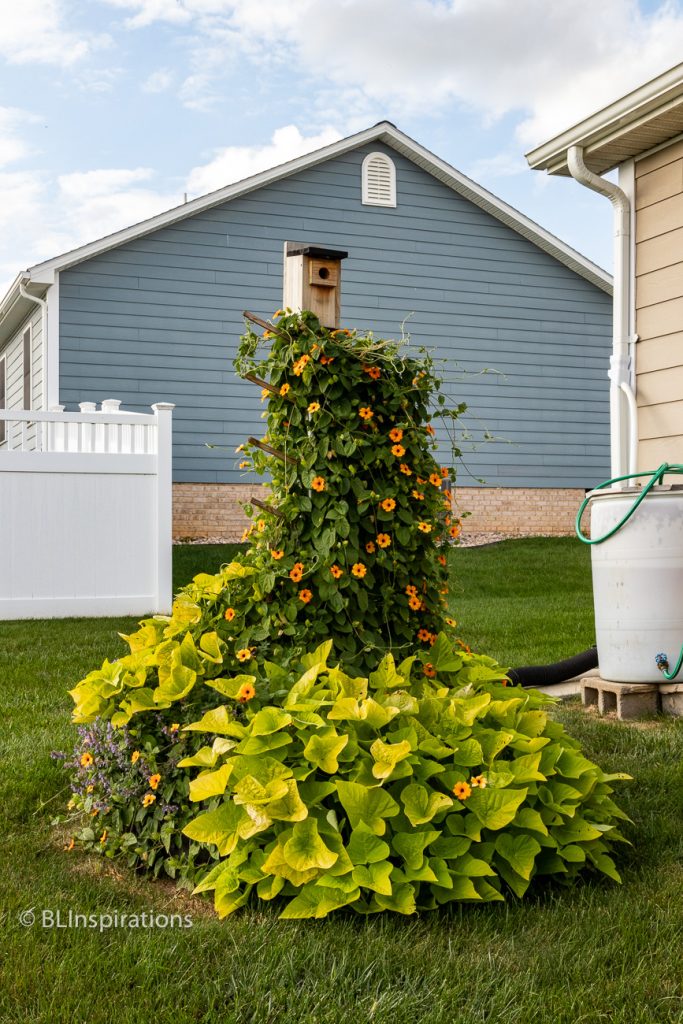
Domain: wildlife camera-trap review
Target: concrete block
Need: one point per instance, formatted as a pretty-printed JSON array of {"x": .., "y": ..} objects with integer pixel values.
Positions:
[
  {"x": 627, "y": 700},
  {"x": 671, "y": 695}
]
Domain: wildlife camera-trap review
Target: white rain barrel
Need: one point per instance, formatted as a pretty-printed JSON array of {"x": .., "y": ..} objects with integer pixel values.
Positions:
[{"x": 638, "y": 582}]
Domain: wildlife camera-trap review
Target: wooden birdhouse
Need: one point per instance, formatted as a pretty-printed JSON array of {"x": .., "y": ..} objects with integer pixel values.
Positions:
[{"x": 312, "y": 280}]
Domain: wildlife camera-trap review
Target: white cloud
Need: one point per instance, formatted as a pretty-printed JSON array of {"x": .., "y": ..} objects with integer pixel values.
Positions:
[
  {"x": 236, "y": 162},
  {"x": 94, "y": 184},
  {"x": 158, "y": 81},
  {"x": 12, "y": 146},
  {"x": 553, "y": 62},
  {"x": 33, "y": 31}
]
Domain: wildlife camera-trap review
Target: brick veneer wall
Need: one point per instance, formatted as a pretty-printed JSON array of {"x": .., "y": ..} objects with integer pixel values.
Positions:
[
  {"x": 213, "y": 510},
  {"x": 521, "y": 511}
]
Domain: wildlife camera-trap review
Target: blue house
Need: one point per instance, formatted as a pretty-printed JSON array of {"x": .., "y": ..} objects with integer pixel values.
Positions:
[{"x": 153, "y": 313}]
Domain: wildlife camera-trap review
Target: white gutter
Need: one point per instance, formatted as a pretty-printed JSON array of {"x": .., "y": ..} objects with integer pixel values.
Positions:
[
  {"x": 43, "y": 338},
  {"x": 619, "y": 372}
]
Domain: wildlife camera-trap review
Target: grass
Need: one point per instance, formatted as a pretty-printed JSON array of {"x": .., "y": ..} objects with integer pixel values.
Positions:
[{"x": 595, "y": 953}]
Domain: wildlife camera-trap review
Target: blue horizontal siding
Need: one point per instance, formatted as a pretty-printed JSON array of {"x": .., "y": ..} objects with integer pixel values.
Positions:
[{"x": 158, "y": 319}]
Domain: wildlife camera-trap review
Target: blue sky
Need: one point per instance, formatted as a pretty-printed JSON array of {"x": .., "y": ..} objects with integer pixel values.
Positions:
[{"x": 110, "y": 110}]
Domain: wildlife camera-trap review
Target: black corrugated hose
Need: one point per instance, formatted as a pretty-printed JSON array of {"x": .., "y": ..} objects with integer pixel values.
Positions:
[{"x": 558, "y": 672}]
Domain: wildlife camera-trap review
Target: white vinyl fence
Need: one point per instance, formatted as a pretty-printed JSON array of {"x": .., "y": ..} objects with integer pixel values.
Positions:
[{"x": 85, "y": 512}]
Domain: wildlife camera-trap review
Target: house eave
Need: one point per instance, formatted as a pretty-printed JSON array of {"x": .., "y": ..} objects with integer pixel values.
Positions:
[{"x": 631, "y": 126}]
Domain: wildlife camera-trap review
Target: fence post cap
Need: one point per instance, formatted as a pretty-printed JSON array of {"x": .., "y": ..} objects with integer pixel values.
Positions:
[{"x": 163, "y": 406}]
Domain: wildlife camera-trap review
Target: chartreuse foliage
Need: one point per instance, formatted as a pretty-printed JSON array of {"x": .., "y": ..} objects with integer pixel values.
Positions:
[
  {"x": 380, "y": 794},
  {"x": 405, "y": 775}
]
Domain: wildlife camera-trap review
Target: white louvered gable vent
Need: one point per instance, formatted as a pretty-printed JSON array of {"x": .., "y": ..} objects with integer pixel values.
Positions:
[{"x": 379, "y": 180}]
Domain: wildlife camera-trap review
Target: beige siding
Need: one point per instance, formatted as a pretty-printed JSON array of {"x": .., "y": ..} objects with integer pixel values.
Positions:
[
  {"x": 659, "y": 306},
  {"x": 13, "y": 353}
]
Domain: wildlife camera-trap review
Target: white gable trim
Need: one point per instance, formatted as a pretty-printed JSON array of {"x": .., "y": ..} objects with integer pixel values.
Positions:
[{"x": 384, "y": 132}]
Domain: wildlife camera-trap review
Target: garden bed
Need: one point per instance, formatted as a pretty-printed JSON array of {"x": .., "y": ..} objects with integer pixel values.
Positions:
[{"x": 618, "y": 946}]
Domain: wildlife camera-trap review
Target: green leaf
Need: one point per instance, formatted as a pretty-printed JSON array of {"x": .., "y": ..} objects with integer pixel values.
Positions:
[
  {"x": 370, "y": 806},
  {"x": 365, "y": 847},
  {"x": 519, "y": 851},
  {"x": 401, "y": 901},
  {"x": 218, "y": 720},
  {"x": 210, "y": 784},
  {"x": 495, "y": 808},
  {"x": 317, "y": 901},
  {"x": 421, "y": 806},
  {"x": 411, "y": 845},
  {"x": 387, "y": 756},
  {"x": 269, "y": 720},
  {"x": 525, "y": 769},
  {"x": 219, "y": 827},
  {"x": 212, "y": 647},
  {"x": 305, "y": 849},
  {"x": 374, "y": 876},
  {"x": 323, "y": 749},
  {"x": 289, "y": 807}
]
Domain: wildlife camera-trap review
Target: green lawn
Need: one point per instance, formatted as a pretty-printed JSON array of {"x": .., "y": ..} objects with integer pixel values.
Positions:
[{"x": 596, "y": 953}]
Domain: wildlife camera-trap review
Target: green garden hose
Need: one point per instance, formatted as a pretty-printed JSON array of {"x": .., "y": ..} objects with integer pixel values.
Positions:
[{"x": 655, "y": 478}]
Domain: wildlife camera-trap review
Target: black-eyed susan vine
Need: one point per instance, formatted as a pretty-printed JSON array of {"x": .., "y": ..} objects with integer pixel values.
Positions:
[
  {"x": 357, "y": 551},
  {"x": 341, "y": 746}
]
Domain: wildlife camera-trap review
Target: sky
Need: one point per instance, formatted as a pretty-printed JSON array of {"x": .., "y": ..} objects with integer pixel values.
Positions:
[{"x": 112, "y": 110}]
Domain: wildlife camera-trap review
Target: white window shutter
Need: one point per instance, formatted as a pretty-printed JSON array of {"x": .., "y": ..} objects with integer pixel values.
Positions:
[{"x": 379, "y": 180}]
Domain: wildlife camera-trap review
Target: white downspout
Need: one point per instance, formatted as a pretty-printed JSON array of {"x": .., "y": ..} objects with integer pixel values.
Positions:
[
  {"x": 619, "y": 374},
  {"x": 43, "y": 341}
]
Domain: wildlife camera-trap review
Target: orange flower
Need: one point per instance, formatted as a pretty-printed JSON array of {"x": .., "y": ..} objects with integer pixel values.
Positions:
[
  {"x": 454, "y": 531},
  {"x": 435, "y": 479},
  {"x": 424, "y": 635},
  {"x": 370, "y": 547},
  {"x": 86, "y": 759},
  {"x": 337, "y": 572},
  {"x": 420, "y": 480},
  {"x": 411, "y": 591},
  {"x": 398, "y": 450},
  {"x": 358, "y": 570},
  {"x": 244, "y": 654},
  {"x": 461, "y": 790},
  {"x": 244, "y": 465},
  {"x": 154, "y": 781},
  {"x": 305, "y": 596},
  {"x": 103, "y": 837},
  {"x": 326, "y": 360},
  {"x": 71, "y": 845},
  {"x": 261, "y": 525},
  {"x": 425, "y": 527},
  {"x": 298, "y": 367},
  {"x": 229, "y": 614},
  {"x": 264, "y": 394},
  {"x": 388, "y": 504},
  {"x": 135, "y": 757},
  {"x": 418, "y": 495},
  {"x": 365, "y": 412},
  {"x": 267, "y": 334},
  {"x": 415, "y": 603},
  {"x": 430, "y": 429},
  {"x": 383, "y": 540},
  {"x": 318, "y": 483},
  {"x": 245, "y": 693},
  {"x": 285, "y": 389},
  {"x": 442, "y": 560},
  {"x": 478, "y": 782},
  {"x": 450, "y": 622},
  {"x": 278, "y": 312},
  {"x": 429, "y": 670},
  {"x": 405, "y": 469},
  {"x": 314, "y": 407},
  {"x": 396, "y": 434},
  {"x": 296, "y": 572},
  {"x": 148, "y": 799},
  {"x": 444, "y": 472},
  {"x": 277, "y": 554},
  {"x": 373, "y": 371}
]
